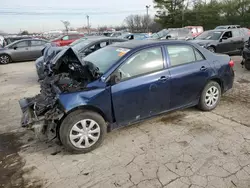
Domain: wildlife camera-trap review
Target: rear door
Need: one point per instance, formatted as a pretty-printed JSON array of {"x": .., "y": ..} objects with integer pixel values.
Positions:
[
  {"x": 238, "y": 40},
  {"x": 36, "y": 47},
  {"x": 189, "y": 72},
  {"x": 144, "y": 86},
  {"x": 20, "y": 51}
]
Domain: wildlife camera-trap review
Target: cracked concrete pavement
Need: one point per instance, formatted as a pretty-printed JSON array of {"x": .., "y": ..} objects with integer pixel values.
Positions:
[{"x": 183, "y": 149}]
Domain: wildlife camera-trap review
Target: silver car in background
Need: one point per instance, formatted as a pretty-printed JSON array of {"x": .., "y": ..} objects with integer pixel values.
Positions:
[{"x": 22, "y": 50}]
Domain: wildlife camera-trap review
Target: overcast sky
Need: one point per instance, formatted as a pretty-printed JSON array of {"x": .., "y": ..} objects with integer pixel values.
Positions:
[{"x": 44, "y": 15}]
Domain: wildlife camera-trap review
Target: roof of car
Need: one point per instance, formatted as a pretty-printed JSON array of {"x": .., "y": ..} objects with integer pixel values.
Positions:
[
  {"x": 103, "y": 38},
  {"x": 131, "y": 44}
]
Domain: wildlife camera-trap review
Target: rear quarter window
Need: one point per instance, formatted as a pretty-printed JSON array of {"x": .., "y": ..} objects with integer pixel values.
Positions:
[{"x": 183, "y": 54}]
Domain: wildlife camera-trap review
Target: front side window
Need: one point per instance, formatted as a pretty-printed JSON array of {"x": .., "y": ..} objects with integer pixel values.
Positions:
[
  {"x": 227, "y": 35},
  {"x": 65, "y": 38},
  {"x": 181, "y": 54},
  {"x": 22, "y": 44},
  {"x": 145, "y": 61},
  {"x": 103, "y": 44}
]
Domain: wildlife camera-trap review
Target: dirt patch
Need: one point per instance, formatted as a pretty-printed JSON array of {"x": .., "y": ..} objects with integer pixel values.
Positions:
[
  {"x": 171, "y": 118},
  {"x": 199, "y": 127},
  {"x": 11, "y": 164},
  {"x": 243, "y": 81}
]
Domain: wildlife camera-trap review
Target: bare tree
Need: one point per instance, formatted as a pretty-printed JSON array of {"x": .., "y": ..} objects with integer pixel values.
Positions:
[
  {"x": 130, "y": 23},
  {"x": 66, "y": 25},
  {"x": 138, "y": 22}
]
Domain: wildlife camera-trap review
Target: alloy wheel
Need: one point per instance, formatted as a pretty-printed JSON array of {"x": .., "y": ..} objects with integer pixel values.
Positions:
[
  {"x": 84, "y": 133},
  {"x": 4, "y": 59},
  {"x": 212, "y": 96}
]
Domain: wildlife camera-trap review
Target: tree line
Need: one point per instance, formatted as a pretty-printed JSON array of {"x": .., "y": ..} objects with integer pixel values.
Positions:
[{"x": 207, "y": 13}]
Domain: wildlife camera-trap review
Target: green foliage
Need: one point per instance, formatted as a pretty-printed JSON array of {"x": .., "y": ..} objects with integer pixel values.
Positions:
[
  {"x": 24, "y": 33},
  {"x": 208, "y": 13}
]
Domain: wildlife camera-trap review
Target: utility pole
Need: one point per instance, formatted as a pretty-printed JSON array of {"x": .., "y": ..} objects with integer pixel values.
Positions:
[
  {"x": 147, "y": 7},
  {"x": 88, "y": 23}
]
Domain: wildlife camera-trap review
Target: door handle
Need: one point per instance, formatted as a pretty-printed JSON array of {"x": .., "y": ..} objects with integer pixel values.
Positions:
[
  {"x": 203, "y": 68},
  {"x": 163, "y": 78}
]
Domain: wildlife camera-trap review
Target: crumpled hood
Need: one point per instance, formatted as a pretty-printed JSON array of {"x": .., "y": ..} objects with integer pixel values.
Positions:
[
  {"x": 202, "y": 42},
  {"x": 68, "y": 61},
  {"x": 50, "y": 51}
]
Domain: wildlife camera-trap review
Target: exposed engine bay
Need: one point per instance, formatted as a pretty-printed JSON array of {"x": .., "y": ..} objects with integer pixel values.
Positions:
[{"x": 65, "y": 74}]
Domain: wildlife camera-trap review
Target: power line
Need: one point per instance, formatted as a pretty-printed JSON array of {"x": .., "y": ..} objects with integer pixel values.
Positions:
[{"x": 3, "y": 12}]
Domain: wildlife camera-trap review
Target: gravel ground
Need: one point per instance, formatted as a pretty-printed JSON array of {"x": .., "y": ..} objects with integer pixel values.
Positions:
[{"x": 185, "y": 148}]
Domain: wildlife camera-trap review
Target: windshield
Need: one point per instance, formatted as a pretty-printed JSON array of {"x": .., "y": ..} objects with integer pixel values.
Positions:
[
  {"x": 109, "y": 55},
  {"x": 210, "y": 35},
  {"x": 80, "y": 45},
  {"x": 160, "y": 34}
]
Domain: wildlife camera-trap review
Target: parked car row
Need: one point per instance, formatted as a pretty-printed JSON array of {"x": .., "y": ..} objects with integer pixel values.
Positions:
[
  {"x": 85, "y": 96},
  {"x": 22, "y": 50}
]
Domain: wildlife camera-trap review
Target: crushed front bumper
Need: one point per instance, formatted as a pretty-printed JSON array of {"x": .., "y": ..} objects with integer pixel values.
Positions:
[
  {"x": 29, "y": 117},
  {"x": 45, "y": 124}
]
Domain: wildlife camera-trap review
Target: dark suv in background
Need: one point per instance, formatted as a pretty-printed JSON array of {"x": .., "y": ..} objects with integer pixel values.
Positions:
[{"x": 228, "y": 41}]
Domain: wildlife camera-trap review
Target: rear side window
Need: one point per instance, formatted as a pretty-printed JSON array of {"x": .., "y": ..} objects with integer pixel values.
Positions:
[
  {"x": 236, "y": 33},
  {"x": 37, "y": 43},
  {"x": 183, "y": 54}
]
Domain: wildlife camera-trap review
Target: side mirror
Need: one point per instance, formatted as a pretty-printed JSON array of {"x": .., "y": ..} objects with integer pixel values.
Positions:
[
  {"x": 115, "y": 78},
  {"x": 15, "y": 47},
  {"x": 223, "y": 38},
  {"x": 168, "y": 36}
]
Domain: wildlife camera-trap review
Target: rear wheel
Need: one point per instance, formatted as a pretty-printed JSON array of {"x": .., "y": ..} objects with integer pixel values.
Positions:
[
  {"x": 247, "y": 65},
  {"x": 211, "y": 49},
  {"x": 210, "y": 96},
  {"x": 82, "y": 131},
  {"x": 5, "y": 59}
]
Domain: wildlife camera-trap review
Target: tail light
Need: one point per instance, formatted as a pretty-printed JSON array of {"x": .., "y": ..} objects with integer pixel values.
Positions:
[{"x": 231, "y": 63}]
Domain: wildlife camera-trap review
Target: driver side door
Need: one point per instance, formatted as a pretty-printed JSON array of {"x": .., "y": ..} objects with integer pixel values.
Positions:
[
  {"x": 21, "y": 51},
  {"x": 143, "y": 87},
  {"x": 226, "y": 45}
]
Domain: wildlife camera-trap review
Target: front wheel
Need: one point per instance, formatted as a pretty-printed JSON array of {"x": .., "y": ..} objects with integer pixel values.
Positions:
[
  {"x": 5, "y": 59},
  {"x": 247, "y": 65},
  {"x": 82, "y": 131},
  {"x": 210, "y": 96}
]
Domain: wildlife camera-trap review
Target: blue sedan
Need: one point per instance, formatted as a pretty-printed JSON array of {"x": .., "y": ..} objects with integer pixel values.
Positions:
[{"x": 130, "y": 82}]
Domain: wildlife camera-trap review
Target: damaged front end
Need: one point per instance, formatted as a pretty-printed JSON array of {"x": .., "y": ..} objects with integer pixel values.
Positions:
[{"x": 67, "y": 73}]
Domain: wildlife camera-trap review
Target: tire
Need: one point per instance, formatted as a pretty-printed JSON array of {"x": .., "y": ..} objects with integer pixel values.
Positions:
[
  {"x": 211, "y": 49},
  {"x": 209, "y": 94},
  {"x": 5, "y": 59},
  {"x": 75, "y": 141},
  {"x": 247, "y": 65}
]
